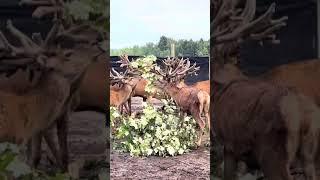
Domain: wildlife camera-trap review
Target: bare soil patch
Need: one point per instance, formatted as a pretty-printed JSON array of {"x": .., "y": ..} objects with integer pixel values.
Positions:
[{"x": 192, "y": 165}]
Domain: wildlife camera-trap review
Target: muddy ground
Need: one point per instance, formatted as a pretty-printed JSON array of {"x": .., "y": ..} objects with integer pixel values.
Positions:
[{"x": 193, "y": 165}]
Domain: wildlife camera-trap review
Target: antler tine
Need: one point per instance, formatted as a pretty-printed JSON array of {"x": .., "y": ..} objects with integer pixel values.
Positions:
[
  {"x": 189, "y": 70},
  {"x": 176, "y": 69},
  {"x": 45, "y": 7},
  {"x": 124, "y": 60},
  {"x": 178, "y": 65},
  {"x": 28, "y": 49},
  {"x": 159, "y": 71},
  {"x": 246, "y": 28}
]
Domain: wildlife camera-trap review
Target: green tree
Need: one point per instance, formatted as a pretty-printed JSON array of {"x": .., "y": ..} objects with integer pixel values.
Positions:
[
  {"x": 162, "y": 48},
  {"x": 163, "y": 43}
]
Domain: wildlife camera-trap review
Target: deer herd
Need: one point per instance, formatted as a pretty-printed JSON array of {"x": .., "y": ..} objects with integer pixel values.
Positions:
[
  {"x": 190, "y": 99},
  {"x": 271, "y": 121}
]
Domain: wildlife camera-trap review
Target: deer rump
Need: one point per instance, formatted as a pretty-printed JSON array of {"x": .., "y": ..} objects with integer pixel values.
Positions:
[{"x": 264, "y": 125}]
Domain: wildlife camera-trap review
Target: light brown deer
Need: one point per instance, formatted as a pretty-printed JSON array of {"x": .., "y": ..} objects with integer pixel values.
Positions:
[
  {"x": 257, "y": 111},
  {"x": 189, "y": 99},
  {"x": 121, "y": 94}
]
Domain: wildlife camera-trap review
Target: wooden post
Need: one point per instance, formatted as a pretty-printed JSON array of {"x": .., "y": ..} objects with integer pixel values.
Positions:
[{"x": 172, "y": 50}]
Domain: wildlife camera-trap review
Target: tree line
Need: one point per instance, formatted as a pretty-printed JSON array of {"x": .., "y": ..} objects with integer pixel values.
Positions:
[{"x": 162, "y": 48}]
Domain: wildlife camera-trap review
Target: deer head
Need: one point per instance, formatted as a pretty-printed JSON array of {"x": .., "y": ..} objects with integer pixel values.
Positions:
[
  {"x": 61, "y": 51},
  {"x": 126, "y": 77},
  {"x": 234, "y": 22},
  {"x": 121, "y": 78}
]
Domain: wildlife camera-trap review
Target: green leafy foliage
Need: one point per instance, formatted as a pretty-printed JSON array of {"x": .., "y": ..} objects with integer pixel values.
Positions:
[
  {"x": 12, "y": 167},
  {"x": 158, "y": 132},
  {"x": 145, "y": 65},
  {"x": 162, "y": 48},
  {"x": 92, "y": 10}
]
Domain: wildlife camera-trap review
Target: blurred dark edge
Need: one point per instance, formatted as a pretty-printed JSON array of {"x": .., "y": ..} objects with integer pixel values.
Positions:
[{"x": 299, "y": 41}]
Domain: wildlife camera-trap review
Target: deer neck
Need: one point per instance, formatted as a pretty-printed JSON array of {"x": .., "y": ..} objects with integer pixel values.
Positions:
[
  {"x": 174, "y": 92},
  {"x": 125, "y": 92}
]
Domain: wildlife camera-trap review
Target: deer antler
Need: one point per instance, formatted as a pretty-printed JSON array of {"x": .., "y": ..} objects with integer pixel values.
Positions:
[
  {"x": 118, "y": 77},
  {"x": 229, "y": 25},
  {"x": 232, "y": 26},
  {"x": 34, "y": 53},
  {"x": 29, "y": 49},
  {"x": 176, "y": 69},
  {"x": 125, "y": 62},
  {"x": 45, "y": 7}
]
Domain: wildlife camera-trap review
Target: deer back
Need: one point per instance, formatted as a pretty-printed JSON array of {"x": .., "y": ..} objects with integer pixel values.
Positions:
[{"x": 255, "y": 108}]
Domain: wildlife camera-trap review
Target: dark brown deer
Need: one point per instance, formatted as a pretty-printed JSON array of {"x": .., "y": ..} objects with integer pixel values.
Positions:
[
  {"x": 51, "y": 74},
  {"x": 141, "y": 84},
  {"x": 83, "y": 42},
  {"x": 46, "y": 66},
  {"x": 264, "y": 124},
  {"x": 189, "y": 99},
  {"x": 268, "y": 121}
]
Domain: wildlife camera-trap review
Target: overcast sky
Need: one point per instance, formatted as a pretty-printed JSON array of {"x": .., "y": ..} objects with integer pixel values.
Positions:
[{"x": 136, "y": 22}]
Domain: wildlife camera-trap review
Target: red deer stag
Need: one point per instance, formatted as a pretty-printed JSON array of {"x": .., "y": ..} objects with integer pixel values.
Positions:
[
  {"x": 33, "y": 105},
  {"x": 44, "y": 91},
  {"x": 270, "y": 124},
  {"x": 263, "y": 124},
  {"x": 121, "y": 95},
  {"x": 189, "y": 99},
  {"x": 83, "y": 42},
  {"x": 91, "y": 98},
  {"x": 141, "y": 83}
]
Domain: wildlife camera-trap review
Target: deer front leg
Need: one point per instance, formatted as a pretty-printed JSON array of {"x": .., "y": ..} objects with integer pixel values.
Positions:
[
  {"x": 35, "y": 150},
  {"x": 308, "y": 153},
  {"x": 230, "y": 165},
  {"x": 49, "y": 137},
  {"x": 62, "y": 130},
  {"x": 129, "y": 104},
  {"x": 120, "y": 108}
]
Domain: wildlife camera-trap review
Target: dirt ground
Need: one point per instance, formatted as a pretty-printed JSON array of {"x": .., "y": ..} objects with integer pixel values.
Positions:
[
  {"x": 87, "y": 144},
  {"x": 193, "y": 165}
]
